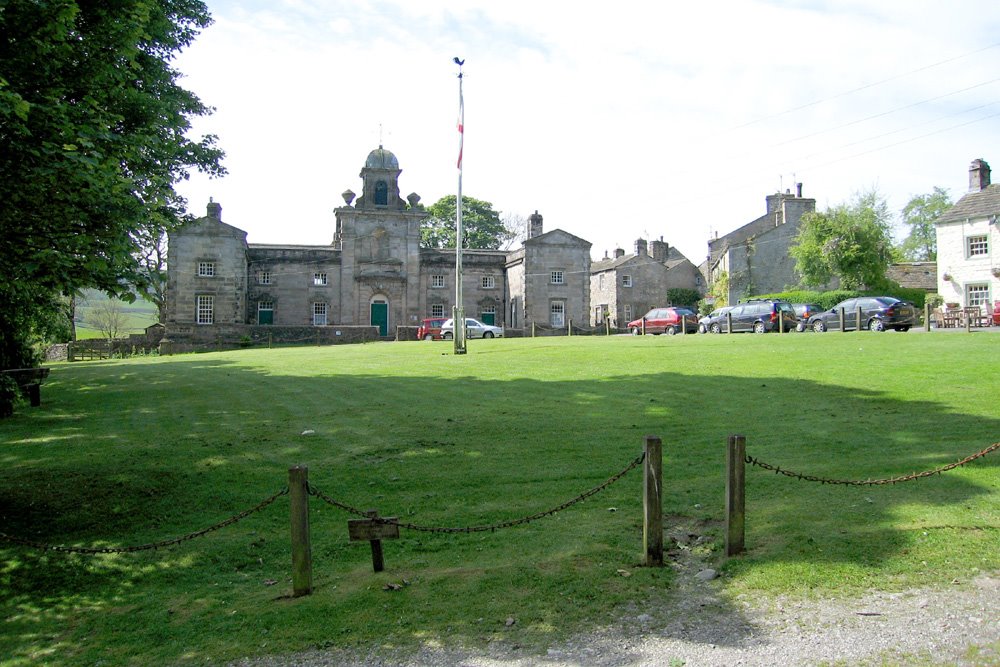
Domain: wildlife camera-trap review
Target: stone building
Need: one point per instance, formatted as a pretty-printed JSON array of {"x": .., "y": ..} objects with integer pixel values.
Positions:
[
  {"x": 755, "y": 257},
  {"x": 624, "y": 287},
  {"x": 967, "y": 273},
  {"x": 373, "y": 275}
]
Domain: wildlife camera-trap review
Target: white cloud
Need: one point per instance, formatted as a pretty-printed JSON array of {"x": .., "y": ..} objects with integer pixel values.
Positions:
[{"x": 613, "y": 120}]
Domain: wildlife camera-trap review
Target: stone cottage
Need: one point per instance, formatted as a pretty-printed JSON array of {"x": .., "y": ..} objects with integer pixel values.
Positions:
[
  {"x": 966, "y": 235},
  {"x": 755, "y": 257}
]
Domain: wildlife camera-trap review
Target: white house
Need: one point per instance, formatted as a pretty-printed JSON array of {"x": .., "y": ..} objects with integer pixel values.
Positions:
[{"x": 967, "y": 237}]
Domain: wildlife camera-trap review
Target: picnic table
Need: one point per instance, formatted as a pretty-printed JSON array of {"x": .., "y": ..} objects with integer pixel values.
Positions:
[{"x": 29, "y": 380}]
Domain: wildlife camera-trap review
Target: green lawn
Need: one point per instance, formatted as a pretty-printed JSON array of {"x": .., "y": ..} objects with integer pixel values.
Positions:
[{"x": 133, "y": 451}]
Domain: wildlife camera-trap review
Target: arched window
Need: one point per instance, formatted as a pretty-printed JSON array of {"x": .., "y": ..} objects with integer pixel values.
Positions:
[{"x": 381, "y": 194}]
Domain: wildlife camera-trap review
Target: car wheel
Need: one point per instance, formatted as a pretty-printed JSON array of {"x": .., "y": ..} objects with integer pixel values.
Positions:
[
  {"x": 701, "y": 328},
  {"x": 670, "y": 331},
  {"x": 876, "y": 325},
  {"x": 636, "y": 331},
  {"x": 800, "y": 327},
  {"x": 819, "y": 326},
  {"x": 446, "y": 335},
  {"x": 488, "y": 334},
  {"x": 715, "y": 328},
  {"x": 759, "y": 328}
]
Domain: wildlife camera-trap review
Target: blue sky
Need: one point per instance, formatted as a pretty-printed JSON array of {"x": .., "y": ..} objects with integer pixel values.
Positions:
[{"x": 614, "y": 120}]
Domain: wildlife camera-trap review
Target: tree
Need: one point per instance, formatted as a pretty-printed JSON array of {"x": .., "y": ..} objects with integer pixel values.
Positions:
[
  {"x": 152, "y": 258},
  {"x": 92, "y": 141},
  {"x": 108, "y": 317},
  {"x": 920, "y": 214},
  {"x": 851, "y": 241},
  {"x": 481, "y": 225},
  {"x": 515, "y": 229}
]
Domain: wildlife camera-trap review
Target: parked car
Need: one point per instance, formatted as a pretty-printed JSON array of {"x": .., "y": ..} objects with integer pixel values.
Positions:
[
  {"x": 473, "y": 329},
  {"x": 665, "y": 320},
  {"x": 717, "y": 315},
  {"x": 878, "y": 313},
  {"x": 759, "y": 316},
  {"x": 996, "y": 313},
  {"x": 430, "y": 328},
  {"x": 803, "y": 311}
]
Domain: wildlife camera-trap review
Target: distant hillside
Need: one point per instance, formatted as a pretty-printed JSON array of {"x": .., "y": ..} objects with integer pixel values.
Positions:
[{"x": 137, "y": 315}]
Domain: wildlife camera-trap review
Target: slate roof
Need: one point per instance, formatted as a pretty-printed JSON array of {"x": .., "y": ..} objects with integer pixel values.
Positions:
[
  {"x": 921, "y": 275},
  {"x": 980, "y": 204}
]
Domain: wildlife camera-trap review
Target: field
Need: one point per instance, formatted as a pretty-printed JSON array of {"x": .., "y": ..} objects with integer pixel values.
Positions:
[
  {"x": 130, "y": 452},
  {"x": 136, "y": 316}
]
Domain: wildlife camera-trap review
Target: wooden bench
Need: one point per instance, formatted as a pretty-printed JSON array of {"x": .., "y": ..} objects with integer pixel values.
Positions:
[{"x": 30, "y": 382}]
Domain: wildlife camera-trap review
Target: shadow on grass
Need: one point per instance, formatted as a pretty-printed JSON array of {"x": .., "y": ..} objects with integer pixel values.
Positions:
[{"x": 134, "y": 453}]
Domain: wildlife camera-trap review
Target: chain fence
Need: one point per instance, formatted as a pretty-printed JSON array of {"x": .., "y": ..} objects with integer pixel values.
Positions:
[
  {"x": 871, "y": 482},
  {"x": 151, "y": 545},
  {"x": 313, "y": 491}
]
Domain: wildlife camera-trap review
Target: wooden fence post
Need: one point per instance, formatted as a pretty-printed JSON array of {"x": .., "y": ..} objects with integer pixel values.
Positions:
[
  {"x": 532, "y": 328},
  {"x": 927, "y": 317},
  {"x": 607, "y": 326},
  {"x": 729, "y": 322},
  {"x": 569, "y": 330},
  {"x": 843, "y": 323},
  {"x": 735, "y": 494},
  {"x": 652, "y": 502},
  {"x": 859, "y": 318},
  {"x": 298, "y": 491}
]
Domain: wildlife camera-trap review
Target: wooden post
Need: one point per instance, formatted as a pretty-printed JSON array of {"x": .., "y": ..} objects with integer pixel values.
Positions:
[
  {"x": 644, "y": 326},
  {"x": 269, "y": 340},
  {"x": 927, "y": 317},
  {"x": 569, "y": 331},
  {"x": 843, "y": 322},
  {"x": 735, "y": 494},
  {"x": 298, "y": 491},
  {"x": 652, "y": 502},
  {"x": 378, "y": 562},
  {"x": 859, "y": 317},
  {"x": 532, "y": 329},
  {"x": 34, "y": 390},
  {"x": 968, "y": 320},
  {"x": 729, "y": 322},
  {"x": 607, "y": 326}
]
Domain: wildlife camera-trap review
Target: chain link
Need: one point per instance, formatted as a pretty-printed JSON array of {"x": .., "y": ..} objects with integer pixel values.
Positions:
[
  {"x": 145, "y": 547},
  {"x": 480, "y": 529},
  {"x": 872, "y": 482}
]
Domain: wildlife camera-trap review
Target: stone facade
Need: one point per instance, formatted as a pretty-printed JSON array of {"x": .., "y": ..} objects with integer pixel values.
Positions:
[
  {"x": 373, "y": 276},
  {"x": 755, "y": 256},
  {"x": 967, "y": 271},
  {"x": 624, "y": 287}
]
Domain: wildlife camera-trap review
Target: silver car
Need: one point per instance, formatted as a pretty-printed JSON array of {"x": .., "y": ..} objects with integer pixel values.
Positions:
[{"x": 473, "y": 329}]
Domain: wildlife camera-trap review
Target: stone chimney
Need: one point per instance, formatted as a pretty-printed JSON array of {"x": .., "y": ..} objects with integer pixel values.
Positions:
[
  {"x": 534, "y": 225},
  {"x": 640, "y": 247},
  {"x": 979, "y": 175},
  {"x": 214, "y": 210},
  {"x": 619, "y": 252},
  {"x": 660, "y": 250}
]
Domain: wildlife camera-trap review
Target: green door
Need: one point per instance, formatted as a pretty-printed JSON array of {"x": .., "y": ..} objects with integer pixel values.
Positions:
[
  {"x": 380, "y": 317},
  {"x": 488, "y": 318},
  {"x": 265, "y": 317}
]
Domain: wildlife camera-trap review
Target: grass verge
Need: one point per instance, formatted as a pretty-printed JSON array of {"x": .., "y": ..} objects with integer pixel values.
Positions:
[{"x": 133, "y": 451}]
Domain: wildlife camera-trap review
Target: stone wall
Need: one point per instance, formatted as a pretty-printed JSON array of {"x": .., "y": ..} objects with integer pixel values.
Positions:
[{"x": 230, "y": 337}]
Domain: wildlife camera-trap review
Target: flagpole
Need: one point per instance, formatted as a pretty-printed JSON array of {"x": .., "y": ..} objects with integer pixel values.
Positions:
[{"x": 459, "y": 310}]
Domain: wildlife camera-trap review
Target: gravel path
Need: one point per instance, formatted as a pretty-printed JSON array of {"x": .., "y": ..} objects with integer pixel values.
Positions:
[{"x": 957, "y": 625}]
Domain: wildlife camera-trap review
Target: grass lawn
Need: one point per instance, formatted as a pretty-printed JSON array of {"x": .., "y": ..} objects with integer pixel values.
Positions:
[{"x": 133, "y": 451}]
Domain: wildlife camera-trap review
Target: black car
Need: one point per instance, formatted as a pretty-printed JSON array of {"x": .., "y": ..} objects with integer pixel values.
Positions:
[
  {"x": 803, "y": 311},
  {"x": 878, "y": 313},
  {"x": 758, "y": 316}
]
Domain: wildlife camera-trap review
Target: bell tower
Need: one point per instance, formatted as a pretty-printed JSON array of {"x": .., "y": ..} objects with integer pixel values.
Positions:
[{"x": 380, "y": 179}]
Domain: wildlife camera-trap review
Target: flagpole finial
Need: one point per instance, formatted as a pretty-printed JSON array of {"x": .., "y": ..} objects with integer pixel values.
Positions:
[{"x": 459, "y": 63}]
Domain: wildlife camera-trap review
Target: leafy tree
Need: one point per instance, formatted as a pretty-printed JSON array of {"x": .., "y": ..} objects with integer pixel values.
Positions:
[
  {"x": 482, "y": 227},
  {"x": 92, "y": 141},
  {"x": 850, "y": 241},
  {"x": 920, "y": 214}
]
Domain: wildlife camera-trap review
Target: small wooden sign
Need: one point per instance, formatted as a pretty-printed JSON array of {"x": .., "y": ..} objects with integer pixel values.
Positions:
[
  {"x": 368, "y": 530},
  {"x": 374, "y": 532}
]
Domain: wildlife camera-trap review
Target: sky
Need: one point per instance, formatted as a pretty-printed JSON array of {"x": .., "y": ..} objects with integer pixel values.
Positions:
[{"x": 614, "y": 120}]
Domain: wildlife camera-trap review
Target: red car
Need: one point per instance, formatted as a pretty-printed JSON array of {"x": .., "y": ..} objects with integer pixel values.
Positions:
[
  {"x": 996, "y": 313},
  {"x": 665, "y": 320},
  {"x": 430, "y": 328}
]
